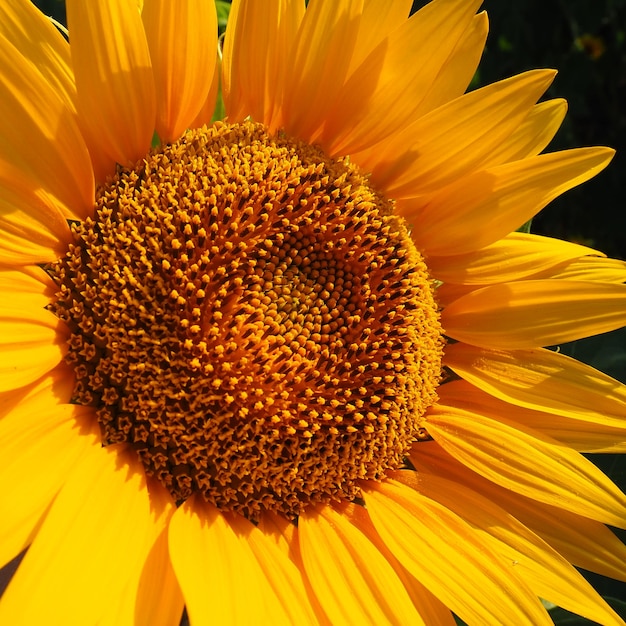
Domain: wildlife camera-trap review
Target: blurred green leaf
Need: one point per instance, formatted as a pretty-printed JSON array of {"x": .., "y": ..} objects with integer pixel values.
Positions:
[{"x": 223, "y": 11}]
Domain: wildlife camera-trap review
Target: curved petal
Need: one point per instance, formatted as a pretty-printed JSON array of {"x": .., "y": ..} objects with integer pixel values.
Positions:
[
  {"x": 460, "y": 67},
  {"x": 596, "y": 269},
  {"x": 384, "y": 94},
  {"x": 99, "y": 528},
  {"x": 379, "y": 19},
  {"x": 545, "y": 571},
  {"x": 513, "y": 257},
  {"x": 433, "y": 611},
  {"x": 159, "y": 600},
  {"x": 211, "y": 104},
  {"x": 220, "y": 576},
  {"x": 596, "y": 433},
  {"x": 527, "y": 462},
  {"x": 542, "y": 380},
  {"x": 584, "y": 542},
  {"x": 351, "y": 578},
  {"x": 32, "y": 340},
  {"x": 532, "y": 135},
  {"x": 40, "y": 442},
  {"x": 34, "y": 35},
  {"x": 319, "y": 64},
  {"x": 54, "y": 156},
  {"x": 33, "y": 228},
  {"x": 182, "y": 38},
  {"x": 485, "y": 206},
  {"x": 454, "y": 139},
  {"x": 444, "y": 553},
  {"x": 285, "y": 579},
  {"x": 115, "y": 87},
  {"x": 535, "y": 313},
  {"x": 253, "y": 83}
]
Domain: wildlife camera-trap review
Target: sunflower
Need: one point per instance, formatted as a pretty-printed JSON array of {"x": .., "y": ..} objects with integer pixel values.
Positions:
[{"x": 289, "y": 367}]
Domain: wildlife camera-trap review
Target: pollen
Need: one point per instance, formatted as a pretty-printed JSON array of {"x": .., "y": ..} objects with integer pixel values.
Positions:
[{"x": 251, "y": 318}]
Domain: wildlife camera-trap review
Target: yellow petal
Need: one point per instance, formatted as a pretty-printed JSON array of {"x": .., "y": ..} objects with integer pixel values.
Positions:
[
  {"x": 456, "y": 138},
  {"x": 33, "y": 228},
  {"x": 597, "y": 433},
  {"x": 485, "y": 206},
  {"x": 433, "y": 611},
  {"x": 444, "y": 553},
  {"x": 284, "y": 578},
  {"x": 254, "y": 83},
  {"x": 159, "y": 600},
  {"x": 41, "y": 443},
  {"x": 182, "y": 38},
  {"x": 534, "y": 313},
  {"x": 527, "y": 462},
  {"x": 32, "y": 339},
  {"x": 34, "y": 35},
  {"x": 584, "y": 542},
  {"x": 99, "y": 529},
  {"x": 111, "y": 62},
  {"x": 205, "y": 115},
  {"x": 545, "y": 571},
  {"x": 532, "y": 135},
  {"x": 460, "y": 67},
  {"x": 319, "y": 64},
  {"x": 542, "y": 380},
  {"x": 384, "y": 94},
  {"x": 601, "y": 270},
  {"x": 352, "y": 579},
  {"x": 379, "y": 19},
  {"x": 513, "y": 257},
  {"x": 221, "y": 579},
  {"x": 39, "y": 132}
]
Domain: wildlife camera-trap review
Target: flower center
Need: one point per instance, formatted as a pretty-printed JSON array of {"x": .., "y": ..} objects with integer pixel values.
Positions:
[{"x": 249, "y": 316}]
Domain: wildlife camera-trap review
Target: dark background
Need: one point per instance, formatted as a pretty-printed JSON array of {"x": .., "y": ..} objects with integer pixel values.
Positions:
[{"x": 586, "y": 41}]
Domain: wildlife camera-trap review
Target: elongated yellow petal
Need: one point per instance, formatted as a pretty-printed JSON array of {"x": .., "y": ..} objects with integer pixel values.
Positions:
[
  {"x": 433, "y": 611},
  {"x": 383, "y": 95},
  {"x": 513, "y": 257},
  {"x": 101, "y": 517},
  {"x": 205, "y": 115},
  {"x": 545, "y": 571},
  {"x": 527, "y": 462},
  {"x": 535, "y": 313},
  {"x": 32, "y": 225},
  {"x": 595, "y": 433},
  {"x": 454, "y": 139},
  {"x": 378, "y": 20},
  {"x": 32, "y": 339},
  {"x": 182, "y": 38},
  {"x": 584, "y": 542},
  {"x": 485, "y": 206},
  {"x": 283, "y": 576},
  {"x": 40, "y": 447},
  {"x": 115, "y": 87},
  {"x": 159, "y": 600},
  {"x": 351, "y": 578},
  {"x": 542, "y": 380},
  {"x": 254, "y": 84},
  {"x": 532, "y": 135},
  {"x": 444, "y": 553},
  {"x": 34, "y": 35},
  {"x": 319, "y": 66},
  {"x": 587, "y": 268},
  {"x": 54, "y": 157},
  {"x": 460, "y": 67},
  {"x": 218, "y": 571}
]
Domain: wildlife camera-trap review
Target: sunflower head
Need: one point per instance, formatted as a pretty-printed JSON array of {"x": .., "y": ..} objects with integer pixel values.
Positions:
[{"x": 290, "y": 366}]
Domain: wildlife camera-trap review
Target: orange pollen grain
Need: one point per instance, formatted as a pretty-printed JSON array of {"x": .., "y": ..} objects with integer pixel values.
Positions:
[{"x": 251, "y": 318}]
